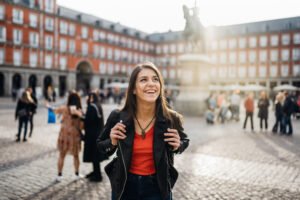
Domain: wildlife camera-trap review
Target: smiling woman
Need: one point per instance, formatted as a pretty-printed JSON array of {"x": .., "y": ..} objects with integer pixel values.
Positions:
[{"x": 146, "y": 134}]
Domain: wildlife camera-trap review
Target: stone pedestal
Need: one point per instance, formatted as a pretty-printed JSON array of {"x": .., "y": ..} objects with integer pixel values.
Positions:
[{"x": 194, "y": 81}]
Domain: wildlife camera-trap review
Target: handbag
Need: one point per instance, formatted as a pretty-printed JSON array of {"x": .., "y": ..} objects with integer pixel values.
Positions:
[
  {"x": 51, "y": 116},
  {"x": 22, "y": 112}
]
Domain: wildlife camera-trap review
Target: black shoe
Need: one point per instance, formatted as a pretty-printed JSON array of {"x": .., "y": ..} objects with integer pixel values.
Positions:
[
  {"x": 89, "y": 175},
  {"x": 24, "y": 140},
  {"x": 95, "y": 178},
  {"x": 18, "y": 140},
  {"x": 30, "y": 134}
]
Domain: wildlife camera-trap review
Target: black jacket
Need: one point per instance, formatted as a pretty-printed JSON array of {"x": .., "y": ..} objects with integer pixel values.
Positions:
[
  {"x": 289, "y": 106},
  {"x": 263, "y": 106},
  {"x": 278, "y": 110},
  {"x": 34, "y": 106},
  {"x": 93, "y": 126},
  {"x": 21, "y": 105},
  {"x": 118, "y": 168}
]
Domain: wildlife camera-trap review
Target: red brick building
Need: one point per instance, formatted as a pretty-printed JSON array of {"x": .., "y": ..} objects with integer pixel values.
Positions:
[{"x": 44, "y": 44}]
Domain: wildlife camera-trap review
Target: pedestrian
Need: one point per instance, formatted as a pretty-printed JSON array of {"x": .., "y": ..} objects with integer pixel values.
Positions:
[
  {"x": 249, "y": 107},
  {"x": 146, "y": 134},
  {"x": 49, "y": 94},
  {"x": 220, "y": 103},
  {"x": 53, "y": 95},
  {"x": 69, "y": 139},
  {"x": 235, "y": 101},
  {"x": 33, "y": 109},
  {"x": 168, "y": 95},
  {"x": 263, "y": 110},
  {"x": 23, "y": 110},
  {"x": 14, "y": 93},
  {"x": 288, "y": 110},
  {"x": 279, "y": 100},
  {"x": 93, "y": 125}
]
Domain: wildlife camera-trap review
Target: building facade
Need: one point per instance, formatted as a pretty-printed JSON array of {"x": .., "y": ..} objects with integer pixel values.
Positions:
[{"x": 43, "y": 44}]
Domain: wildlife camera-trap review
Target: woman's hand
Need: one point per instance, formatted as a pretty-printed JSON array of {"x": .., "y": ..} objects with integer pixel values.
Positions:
[
  {"x": 173, "y": 138},
  {"x": 46, "y": 103},
  {"x": 117, "y": 133},
  {"x": 77, "y": 112}
]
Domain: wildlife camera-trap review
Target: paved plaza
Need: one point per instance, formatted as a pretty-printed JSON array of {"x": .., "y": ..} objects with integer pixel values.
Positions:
[{"x": 222, "y": 162}]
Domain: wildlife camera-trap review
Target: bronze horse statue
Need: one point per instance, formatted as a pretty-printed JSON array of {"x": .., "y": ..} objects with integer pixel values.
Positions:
[{"x": 193, "y": 32}]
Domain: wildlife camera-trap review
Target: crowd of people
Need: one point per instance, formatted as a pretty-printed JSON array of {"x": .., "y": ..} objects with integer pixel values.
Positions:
[
  {"x": 222, "y": 108},
  {"x": 145, "y": 133}
]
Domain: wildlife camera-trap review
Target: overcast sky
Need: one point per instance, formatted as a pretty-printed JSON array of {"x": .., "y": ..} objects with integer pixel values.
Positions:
[{"x": 162, "y": 15}]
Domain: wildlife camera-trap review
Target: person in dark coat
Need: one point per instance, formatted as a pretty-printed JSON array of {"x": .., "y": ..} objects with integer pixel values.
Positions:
[
  {"x": 288, "y": 110},
  {"x": 263, "y": 110},
  {"x": 278, "y": 113},
  {"x": 22, "y": 113},
  {"x": 93, "y": 125},
  {"x": 33, "y": 108}
]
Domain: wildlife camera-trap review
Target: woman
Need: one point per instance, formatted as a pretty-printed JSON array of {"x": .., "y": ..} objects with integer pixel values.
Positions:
[
  {"x": 278, "y": 112},
  {"x": 263, "y": 110},
  {"x": 69, "y": 136},
  {"x": 24, "y": 109},
  {"x": 146, "y": 134},
  {"x": 93, "y": 125}
]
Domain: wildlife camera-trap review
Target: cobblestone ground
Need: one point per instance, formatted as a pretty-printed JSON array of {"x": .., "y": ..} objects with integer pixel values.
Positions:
[{"x": 222, "y": 162}]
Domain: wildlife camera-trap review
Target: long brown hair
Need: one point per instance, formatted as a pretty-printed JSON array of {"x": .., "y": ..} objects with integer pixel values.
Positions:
[
  {"x": 26, "y": 97},
  {"x": 161, "y": 102},
  {"x": 74, "y": 100}
]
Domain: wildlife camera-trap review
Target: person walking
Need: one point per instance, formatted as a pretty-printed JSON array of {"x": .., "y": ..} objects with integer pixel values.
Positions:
[
  {"x": 33, "y": 110},
  {"x": 288, "y": 110},
  {"x": 22, "y": 113},
  {"x": 69, "y": 139},
  {"x": 279, "y": 100},
  {"x": 146, "y": 134},
  {"x": 249, "y": 107},
  {"x": 93, "y": 125},
  {"x": 263, "y": 110}
]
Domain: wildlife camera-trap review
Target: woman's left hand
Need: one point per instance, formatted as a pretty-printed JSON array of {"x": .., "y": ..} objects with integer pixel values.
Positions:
[{"x": 173, "y": 138}]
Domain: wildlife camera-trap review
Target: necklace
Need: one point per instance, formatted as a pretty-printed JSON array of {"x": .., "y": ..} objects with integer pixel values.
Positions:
[{"x": 144, "y": 129}]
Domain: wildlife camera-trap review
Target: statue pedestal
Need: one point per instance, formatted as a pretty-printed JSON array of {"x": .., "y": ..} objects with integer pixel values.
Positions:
[{"x": 194, "y": 84}]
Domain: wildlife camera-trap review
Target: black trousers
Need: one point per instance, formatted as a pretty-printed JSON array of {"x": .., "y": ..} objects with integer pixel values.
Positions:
[
  {"x": 22, "y": 121},
  {"x": 278, "y": 123},
  {"x": 250, "y": 115},
  {"x": 30, "y": 120},
  {"x": 96, "y": 168},
  {"x": 261, "y": 123},
  {"x": 288, "y": 127},
  {"x": 141, "y": 188}
]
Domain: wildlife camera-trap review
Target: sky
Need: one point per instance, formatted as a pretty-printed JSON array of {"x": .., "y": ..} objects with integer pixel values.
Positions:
[{"x": 152, "y": 16}]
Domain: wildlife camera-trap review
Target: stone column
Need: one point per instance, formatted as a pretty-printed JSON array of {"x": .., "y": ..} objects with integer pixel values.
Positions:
[
  {"x": 194, "y": 84},
  {"x": 95, "y": 81},
  {"x": 71, "y": 81},
  {"x": 8, "y": 83}
]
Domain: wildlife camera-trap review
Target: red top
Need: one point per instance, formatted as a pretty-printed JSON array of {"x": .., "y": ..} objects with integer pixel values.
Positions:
[
  {"x": 249, "y": 105},
  {"x": 142, "y": 162}
]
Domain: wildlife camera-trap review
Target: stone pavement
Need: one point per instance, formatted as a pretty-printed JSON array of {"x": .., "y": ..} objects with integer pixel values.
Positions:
[{"x": 222, "y": 162}]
